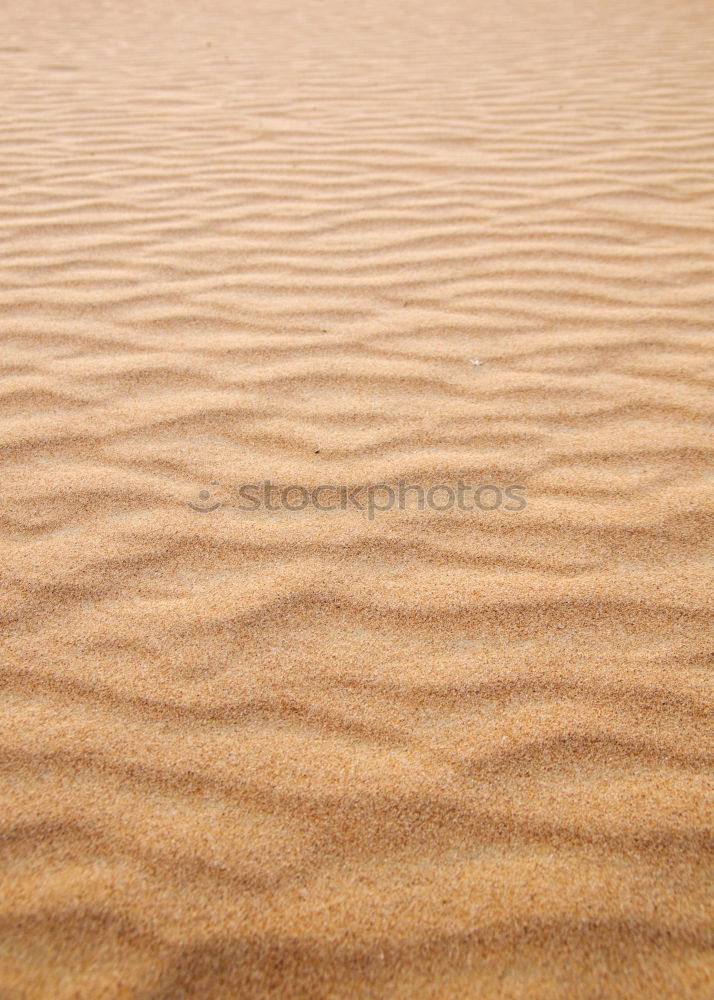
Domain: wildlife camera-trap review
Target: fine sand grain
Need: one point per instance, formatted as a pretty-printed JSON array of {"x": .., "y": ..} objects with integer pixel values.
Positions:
[{"x": 431, "y": 754}]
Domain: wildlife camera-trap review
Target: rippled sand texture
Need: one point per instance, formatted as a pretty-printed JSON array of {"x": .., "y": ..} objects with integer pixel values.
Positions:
[{"x": 435, "y": 755}]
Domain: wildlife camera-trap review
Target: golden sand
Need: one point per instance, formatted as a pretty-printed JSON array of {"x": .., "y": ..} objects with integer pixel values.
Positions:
[{"x": 456, "y": 754}]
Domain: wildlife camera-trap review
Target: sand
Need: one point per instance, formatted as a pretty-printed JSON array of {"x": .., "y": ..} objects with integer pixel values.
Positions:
[{"x": 251, "y": 753}]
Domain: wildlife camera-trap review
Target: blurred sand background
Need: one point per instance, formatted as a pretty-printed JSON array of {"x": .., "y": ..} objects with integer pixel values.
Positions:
[{"x": 435, "y": 755}]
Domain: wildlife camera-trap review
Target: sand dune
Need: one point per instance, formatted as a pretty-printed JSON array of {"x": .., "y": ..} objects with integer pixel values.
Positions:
[{"x": 415, "y": 753}]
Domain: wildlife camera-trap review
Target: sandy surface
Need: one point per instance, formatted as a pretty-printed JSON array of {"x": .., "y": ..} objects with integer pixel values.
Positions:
[{"x": 432, "y": 754}]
